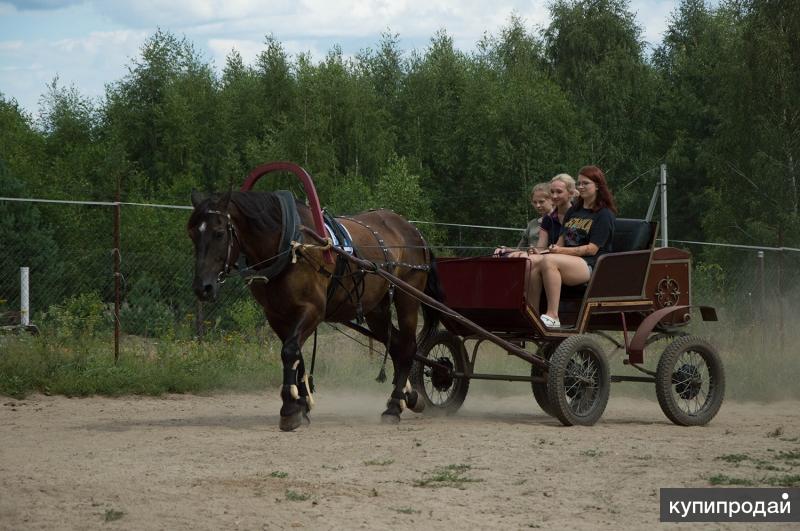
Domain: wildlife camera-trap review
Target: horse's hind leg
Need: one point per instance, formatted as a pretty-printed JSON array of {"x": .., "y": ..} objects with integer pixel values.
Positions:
[{"x": 402, "y": 348}]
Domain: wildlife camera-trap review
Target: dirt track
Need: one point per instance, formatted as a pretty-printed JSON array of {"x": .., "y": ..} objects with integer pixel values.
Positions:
[{"x": 188, "y": 462}]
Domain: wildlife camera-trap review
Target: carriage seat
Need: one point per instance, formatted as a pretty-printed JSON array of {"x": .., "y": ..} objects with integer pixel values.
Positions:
[
  {"x": 629, "y": 235},
  {"x": 632, "y": 235}
]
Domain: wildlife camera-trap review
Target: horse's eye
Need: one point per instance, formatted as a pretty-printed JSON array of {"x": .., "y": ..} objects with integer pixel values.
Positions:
[{"x": 218, "y": 234}]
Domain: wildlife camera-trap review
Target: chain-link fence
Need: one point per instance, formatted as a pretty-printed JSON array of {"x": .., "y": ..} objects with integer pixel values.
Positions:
[{"x": 69, "y": 249}]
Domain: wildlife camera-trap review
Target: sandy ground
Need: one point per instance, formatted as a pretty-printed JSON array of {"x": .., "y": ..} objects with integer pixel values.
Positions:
[{"x": 220, "y": 462}]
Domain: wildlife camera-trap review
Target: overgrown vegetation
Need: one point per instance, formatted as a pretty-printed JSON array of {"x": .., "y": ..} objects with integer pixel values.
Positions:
[{"x": 85, "y": 366}]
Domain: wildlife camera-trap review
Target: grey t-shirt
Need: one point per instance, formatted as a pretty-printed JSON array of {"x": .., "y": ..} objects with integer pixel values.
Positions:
[{"x": 531, "y": 235}]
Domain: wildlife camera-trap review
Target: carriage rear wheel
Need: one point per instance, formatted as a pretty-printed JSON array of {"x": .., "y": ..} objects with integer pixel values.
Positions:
[
  {"x": 437, "y": 386},
  {"x": 578, "y": 382},
  {"x": 540, "y": 388},
  {"x": 690, "y": 381}
]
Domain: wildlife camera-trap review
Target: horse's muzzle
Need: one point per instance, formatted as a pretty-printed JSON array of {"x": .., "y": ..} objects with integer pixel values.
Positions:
[{"x": 205, "y": 290}]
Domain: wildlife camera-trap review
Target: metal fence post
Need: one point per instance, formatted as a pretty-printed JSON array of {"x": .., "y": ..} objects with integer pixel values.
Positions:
[
  {"x": 663, "y": 181},
  {"x": 24, "y": 296},
  {"x": 116, "y": 274},
  {"x": 762, "y": 303}
]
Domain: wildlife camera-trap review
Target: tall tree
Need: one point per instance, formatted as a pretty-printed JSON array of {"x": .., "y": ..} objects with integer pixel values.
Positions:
[{"x": 596, "y": 52}]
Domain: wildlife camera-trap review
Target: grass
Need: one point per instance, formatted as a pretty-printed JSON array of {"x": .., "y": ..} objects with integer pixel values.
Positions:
[
  {"x": 112, "y": 515},
  {"x": 85, "y": 366},
  {"x": 296, "y": 496},
  {"x": 591, "y": 452},
  {"x": 722, "y": 479},
  {"x": 279, "y": 474},
  {"x": 376, "y": 462},
  {"x": 447, "y": 476},
  {"x": 733, "y": 458},
  {"x": 781, "y": 461},
  {"x": 789, "y": 480},
  {"x": 406, "y": 510}
]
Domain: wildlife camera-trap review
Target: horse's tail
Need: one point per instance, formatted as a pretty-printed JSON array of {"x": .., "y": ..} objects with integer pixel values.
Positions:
[{"x": 433, "y": 288}]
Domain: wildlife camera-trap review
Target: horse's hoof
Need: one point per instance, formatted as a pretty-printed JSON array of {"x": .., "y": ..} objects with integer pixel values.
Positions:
[
  {"x": 390, "y": 418},
  {"x": 306, "y": 419},
  {"x": 291, "y": 423},
  {"x": 414, "y": 403}
]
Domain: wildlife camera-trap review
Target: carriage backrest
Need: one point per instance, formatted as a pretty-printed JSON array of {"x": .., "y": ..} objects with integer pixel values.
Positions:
[{"x": 632, "y": 235}]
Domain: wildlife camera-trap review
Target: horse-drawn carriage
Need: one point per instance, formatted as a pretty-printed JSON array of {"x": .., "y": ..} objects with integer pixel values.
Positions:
[
  {"x": 284, "y": 250},
  {"x": 639, "y": 290}
]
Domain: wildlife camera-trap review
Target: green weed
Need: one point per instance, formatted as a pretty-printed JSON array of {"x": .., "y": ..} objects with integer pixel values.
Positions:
[
  {"x": 112, "y": 514},
  {"x": 733, "y": 458},
  {"x": 296, "y": 496},
  {"x": 447, "y": 476},
  {"x": 722, "y": 479},
  {"x": 792, "y": 480},
  {"x": 279, "y": 474},
  {"x": 376, "y": 462}
]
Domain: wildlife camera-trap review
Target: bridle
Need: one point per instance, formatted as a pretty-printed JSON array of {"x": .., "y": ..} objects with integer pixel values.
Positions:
[{"x": 226, "y": 269}]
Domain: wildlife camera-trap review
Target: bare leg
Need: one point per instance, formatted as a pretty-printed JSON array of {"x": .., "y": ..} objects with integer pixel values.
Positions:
[
  {"x": 557, "y": 269},
  {"x": 535, "y": 281}
]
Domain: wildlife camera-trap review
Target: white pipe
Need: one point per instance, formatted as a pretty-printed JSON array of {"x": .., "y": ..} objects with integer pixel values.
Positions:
[
  {"x": 24, "y": 297},
  {"x": 664, "y": 240}
]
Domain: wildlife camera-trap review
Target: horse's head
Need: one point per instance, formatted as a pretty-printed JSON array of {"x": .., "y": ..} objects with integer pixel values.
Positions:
[{"x": 211, "y": 229}]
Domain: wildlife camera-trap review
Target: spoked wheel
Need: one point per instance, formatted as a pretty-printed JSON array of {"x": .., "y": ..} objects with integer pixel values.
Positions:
[
  {"x": 690, "y": 381},
  {"x": 578, "y": 383},
  {"x": 439, "y": 389},
  {"x": 540, "y": 389}
]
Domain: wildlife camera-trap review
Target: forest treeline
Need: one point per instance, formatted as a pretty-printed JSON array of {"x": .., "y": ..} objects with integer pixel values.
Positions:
[{"x": 438, "y": 134}]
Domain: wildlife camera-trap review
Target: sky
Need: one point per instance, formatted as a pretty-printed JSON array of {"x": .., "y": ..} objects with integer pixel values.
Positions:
[{"x": 90, "y": 43}]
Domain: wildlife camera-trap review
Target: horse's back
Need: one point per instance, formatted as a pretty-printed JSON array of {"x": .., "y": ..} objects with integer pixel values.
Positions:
[{"x": 378, "y": 231}]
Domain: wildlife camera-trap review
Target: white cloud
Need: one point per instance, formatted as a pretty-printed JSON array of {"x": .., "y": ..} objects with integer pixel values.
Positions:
[
  {"x": 88, "y": 63},
  {"x": 248, "y": 49},
  {"x": 10, "y": 45}
]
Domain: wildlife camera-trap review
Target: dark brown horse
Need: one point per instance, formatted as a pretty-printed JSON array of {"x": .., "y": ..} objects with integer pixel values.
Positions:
[{"x": 298, "y": 289}]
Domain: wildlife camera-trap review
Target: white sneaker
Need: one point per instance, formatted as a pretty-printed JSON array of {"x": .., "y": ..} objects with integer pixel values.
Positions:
[{"x": 549, "y": 322}]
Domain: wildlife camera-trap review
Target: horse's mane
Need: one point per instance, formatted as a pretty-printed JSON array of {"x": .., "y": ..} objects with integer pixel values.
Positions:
[{"x": 261, "y": 209}]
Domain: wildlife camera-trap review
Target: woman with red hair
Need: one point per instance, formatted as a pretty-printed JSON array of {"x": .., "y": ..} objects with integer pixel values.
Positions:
[{"x": 586, "y": 234}]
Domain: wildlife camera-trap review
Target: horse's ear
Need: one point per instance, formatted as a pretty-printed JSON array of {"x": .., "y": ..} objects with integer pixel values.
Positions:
[{"x": 197, "y": 198}]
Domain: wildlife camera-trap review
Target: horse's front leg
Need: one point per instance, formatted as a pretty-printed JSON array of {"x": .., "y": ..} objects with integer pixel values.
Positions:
[{"x": 295, "y": 392}]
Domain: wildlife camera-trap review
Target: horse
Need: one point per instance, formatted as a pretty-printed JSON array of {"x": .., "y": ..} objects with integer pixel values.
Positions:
[{"x": 259, "y": 233}]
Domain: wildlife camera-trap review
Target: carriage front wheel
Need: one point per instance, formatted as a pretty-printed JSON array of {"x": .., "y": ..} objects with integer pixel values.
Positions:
[
  {"x": 540, "y": 388},
  {"x": 578, "y": 381},
  {"x": 438, "y": 387},
  {"x": 690, "y": 381}
]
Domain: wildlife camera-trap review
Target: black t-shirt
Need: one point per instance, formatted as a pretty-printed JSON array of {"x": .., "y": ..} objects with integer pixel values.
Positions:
[
  {"x": 552, "y": 226},
  {"x": 582, "y": 226}
]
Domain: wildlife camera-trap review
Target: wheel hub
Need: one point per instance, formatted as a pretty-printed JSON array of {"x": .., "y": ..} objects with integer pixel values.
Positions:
[
  {"x": 441, "y": 377},
  {"x": 687, "y": 381}
]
